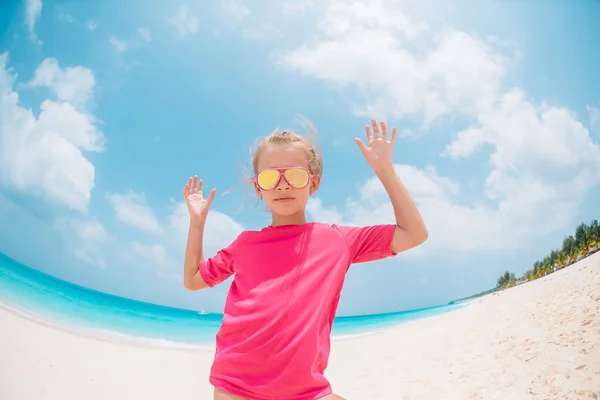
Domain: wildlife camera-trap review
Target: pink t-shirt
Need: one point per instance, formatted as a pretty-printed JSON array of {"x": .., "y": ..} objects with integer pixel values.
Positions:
[{"x": 274, "y": 340}]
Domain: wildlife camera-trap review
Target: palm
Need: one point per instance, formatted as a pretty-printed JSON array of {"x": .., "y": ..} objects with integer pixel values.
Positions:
[
  {"x": 198, "y": 206},
  {"x": 378, "y": 151}
]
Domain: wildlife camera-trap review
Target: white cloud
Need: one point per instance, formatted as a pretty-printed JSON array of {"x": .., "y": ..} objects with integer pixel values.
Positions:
[
  {"x": 145, "y": 34},
  {"x": 92, "y": 25},
  {"x": 119, "y": 45},
  {"x": 542, "y": 160},
  {"x": 221, "y": 229},
  {"x": 233, "y": 12},
  {"x": 329, "y": 214},
  {"x": 72, "y": 84},
  {"x": 131, "y": 208},
  {"x": 536, "y": 152},
  {"x": 399, "y": 67},
  {"x": 155, "y": 253},
  {"x": 166, "y": 256},
  {"x": 543, "y": 163},
  {"x": 33, "y": 13},
  {"x": 184, "y": 21},
  {"x": 44, "y": 156},
  {"x": 88, "y": 237},
  {"x": 296, "y": 6}
]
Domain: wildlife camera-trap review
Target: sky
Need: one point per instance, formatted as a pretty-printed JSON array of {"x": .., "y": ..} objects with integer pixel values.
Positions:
[{"x": 107, "y": 108}]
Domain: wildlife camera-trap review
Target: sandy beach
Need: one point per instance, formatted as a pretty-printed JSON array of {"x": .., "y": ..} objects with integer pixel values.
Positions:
[{"x": 540, "y": 340}]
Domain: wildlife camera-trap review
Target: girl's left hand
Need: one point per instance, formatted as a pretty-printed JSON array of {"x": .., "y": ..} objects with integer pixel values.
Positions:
[{"x": 379, "y": 152}]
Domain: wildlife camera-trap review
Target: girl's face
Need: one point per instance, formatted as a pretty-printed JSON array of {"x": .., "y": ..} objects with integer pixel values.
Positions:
[{"x": 286, "y": 172}]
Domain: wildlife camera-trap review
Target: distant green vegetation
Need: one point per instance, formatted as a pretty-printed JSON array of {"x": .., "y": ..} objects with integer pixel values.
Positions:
[
  {"x": 585, "y": 242},
  {"x": 474, "y": 296},
  {"x": 574, "y": 248}
]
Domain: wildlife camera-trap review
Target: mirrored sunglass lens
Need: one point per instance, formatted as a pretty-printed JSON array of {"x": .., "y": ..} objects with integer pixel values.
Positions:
[
  {"x": 268, "y": 178},
  {"x": 297, "y": 177}
]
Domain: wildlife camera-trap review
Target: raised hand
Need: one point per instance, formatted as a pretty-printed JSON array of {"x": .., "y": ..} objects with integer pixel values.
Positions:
[
  {"x": 379, "y": 151},
  {"x": 197, "y": 205}
]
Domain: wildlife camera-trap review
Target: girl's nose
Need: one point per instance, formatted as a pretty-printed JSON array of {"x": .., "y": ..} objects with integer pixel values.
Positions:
[{"x": 283, "y": 185}]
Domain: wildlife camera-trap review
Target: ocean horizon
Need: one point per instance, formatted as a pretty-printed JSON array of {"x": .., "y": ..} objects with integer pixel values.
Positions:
[{"x": 52, "y": 301}]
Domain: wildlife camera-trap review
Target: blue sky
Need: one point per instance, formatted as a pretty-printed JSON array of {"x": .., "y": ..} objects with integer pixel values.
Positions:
[{"x": 105, "y": 112}]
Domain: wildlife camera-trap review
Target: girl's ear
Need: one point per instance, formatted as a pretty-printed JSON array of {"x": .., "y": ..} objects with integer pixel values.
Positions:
[
  {"x": 257, "y": 190},
  {"x": 314, "y": 184}
]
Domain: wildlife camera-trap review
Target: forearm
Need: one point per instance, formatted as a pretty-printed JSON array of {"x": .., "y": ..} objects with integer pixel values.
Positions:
[
  {"x": 193, "y": 255},
  {"x": 406, "y": 213}
]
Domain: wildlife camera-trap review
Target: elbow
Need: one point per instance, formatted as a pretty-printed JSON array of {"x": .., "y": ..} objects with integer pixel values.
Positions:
[
  {"x": 421, "y": 236},
  {"x": 194, "y": 283},
  {"x": 189, "y": 285}
]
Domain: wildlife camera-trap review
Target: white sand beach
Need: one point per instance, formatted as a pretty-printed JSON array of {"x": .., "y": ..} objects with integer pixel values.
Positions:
[{"x": 540, "y": 340}]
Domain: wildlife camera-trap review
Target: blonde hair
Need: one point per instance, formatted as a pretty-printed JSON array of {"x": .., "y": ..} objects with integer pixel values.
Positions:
[
  {"x": 288, "y": 137},
  {"x": 310, "y": 145}
]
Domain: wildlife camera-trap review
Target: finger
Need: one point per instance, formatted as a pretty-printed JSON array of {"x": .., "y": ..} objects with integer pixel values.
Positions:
[
  {"x": 369, "y": 134},
  {"x": 186, "y": 189},
  {"x": 194, "y": 182},
  {"x": 200, "y": 184},
  {"x": 211, "y": 196},
  {"x": 393, "y": 135},
  {"x": 384, "y": 131},
  {"x": 375, "y": 129},
  {"x": 362, "y": 146}
]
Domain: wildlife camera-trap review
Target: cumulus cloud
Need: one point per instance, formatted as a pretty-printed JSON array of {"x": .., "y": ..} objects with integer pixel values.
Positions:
[
  {"x": 131, "y": 208},
  {"x": 220, "y": 228},
  {"x": 88, "y": 237},
  {"x": 74, "y": 85},
  {"x": 167, "y": 250},
  {"x": 155, "y": 253},
  {"x": 400, "y": 67},
  {"x": 542, "y": 160},
  {"x": 44, "y": 155}
]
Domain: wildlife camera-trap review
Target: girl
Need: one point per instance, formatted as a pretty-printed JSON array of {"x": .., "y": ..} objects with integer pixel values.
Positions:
[{"x": 274, "y": 340}]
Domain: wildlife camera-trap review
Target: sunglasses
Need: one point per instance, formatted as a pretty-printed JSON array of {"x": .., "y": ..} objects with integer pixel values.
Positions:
[{"x": 297, "y": 177}]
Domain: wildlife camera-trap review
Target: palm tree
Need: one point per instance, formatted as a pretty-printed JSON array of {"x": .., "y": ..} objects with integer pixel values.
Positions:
[
  {"x": 506, "y": 280},
  {"x": 562, "y": 259},
  {"x": 529, "y": 275},
  {"x": 594, "y": 245},
  {"x": 584, "y": 242}
]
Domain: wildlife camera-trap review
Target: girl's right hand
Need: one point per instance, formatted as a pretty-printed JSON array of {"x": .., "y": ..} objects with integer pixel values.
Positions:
[{"x": 197, "y": 205}]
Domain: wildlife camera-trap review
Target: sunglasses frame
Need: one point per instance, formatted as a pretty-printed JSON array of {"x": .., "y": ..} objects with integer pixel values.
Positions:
[{"x": 282, "y": 175}]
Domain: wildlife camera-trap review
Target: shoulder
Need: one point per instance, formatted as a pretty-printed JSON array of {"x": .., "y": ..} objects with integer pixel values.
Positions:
[{"x": 328, "y": 232}]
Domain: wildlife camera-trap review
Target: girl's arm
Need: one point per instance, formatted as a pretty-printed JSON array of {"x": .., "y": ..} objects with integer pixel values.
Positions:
[
  {"x": 192, "y": 279},
  {"x": 198, "y": 208},
  {"x": 410, "y": 230}
]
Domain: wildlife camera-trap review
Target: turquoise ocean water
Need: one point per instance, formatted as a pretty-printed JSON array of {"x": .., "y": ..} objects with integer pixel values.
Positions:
[{"x": 73, "y": 307}]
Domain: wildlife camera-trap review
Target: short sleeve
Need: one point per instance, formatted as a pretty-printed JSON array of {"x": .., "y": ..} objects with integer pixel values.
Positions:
[
  {"x": 219, "y": 267},
  {"x": 368, "y": 243}
]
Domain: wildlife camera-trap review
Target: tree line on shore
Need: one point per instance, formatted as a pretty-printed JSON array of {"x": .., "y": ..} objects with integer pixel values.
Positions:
[{"x": 584, "y": 242}]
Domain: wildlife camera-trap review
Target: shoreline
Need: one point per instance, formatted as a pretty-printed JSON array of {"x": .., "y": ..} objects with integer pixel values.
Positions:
[
  {"x": 535, "y": 341},
  {"x": 123, "y": 339}
]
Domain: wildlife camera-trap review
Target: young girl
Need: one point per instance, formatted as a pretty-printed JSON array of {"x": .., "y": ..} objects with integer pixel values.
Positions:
[{"x": 274, "y": 340}]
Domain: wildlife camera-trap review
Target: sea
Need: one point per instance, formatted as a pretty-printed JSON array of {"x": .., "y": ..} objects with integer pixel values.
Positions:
[{"x": 55, "y": 302}]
